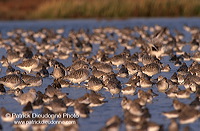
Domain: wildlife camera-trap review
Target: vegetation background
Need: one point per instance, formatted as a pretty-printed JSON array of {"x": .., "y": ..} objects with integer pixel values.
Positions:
[{"x": 109, "y": 9}]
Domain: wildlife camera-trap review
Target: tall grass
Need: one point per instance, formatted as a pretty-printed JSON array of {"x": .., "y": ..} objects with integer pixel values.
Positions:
[
  {"x": 17, "y": 9},
  {"x": 61, "y": 9},
  {"x": 116, "y": 8}
]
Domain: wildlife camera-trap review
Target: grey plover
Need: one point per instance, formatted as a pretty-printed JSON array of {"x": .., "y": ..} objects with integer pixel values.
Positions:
[
  {"x": 61, "y": 55},
  {"x": 26, "y": 97},
  {"x": 29, "y": 64},
  {"x": 123, "y": 72},
  {"x": 188, "y": 115},
  {"x": 133, "y": 118},
  {"x": 58, "y": 71},
  {"x": 39, "y": 67},
  {"x": 13, "y": 81},
  {"x": 81, "y": 109},
  {"x": 94, "y": 84},
  {"x": 113, "y": 87},
  {"x": 51, "y": 91},
  {"x": 96, "y": 95},
  {"x": 107, "y": 68},
  {"x": 145, "y": 83},
  {"x": 132, "y": 68},
  {"x": 28, "y": 108},
  {"x": 79, "y": 64},
  {"x": 97, "y": 73},
  {"x": 112, "y": 123},
  {"x": 78, "y": 76},
  {"x": 94, "y": 102},
  {"x": 6, "y": 115},
  {"x": 118, "y": 60},
  {"x": 151, "y": 69},
  {"x": 12, "y": 56},
  {"x": 57, "y": 105},
  {"x": 136, "y": 109},
  {"x": 163, "y": 85},
  {"x": 129, "y": 90},
  {"x": 32, "y": 80},
  {"x": 147, "y": 59},
  {"x": 140, "y": 70}
]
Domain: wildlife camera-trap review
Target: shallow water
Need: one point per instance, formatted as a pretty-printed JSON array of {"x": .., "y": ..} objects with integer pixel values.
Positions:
[{"x": 100, "y": 114}]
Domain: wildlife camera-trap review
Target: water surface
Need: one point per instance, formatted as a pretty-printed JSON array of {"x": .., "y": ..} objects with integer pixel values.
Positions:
[{"x": 98, "y": 118}]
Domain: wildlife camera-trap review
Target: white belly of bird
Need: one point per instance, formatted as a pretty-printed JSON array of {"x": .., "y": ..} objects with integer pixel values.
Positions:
[
  {"x": 117, "y": 63},
  {"x": 79, "y": 80},
  {"x": 155, "y": 128},
  {"x": 36, "y": 83},
  {"x": 128, "y": 92},
  {"x": 183, "y": 96},
  {"x": 114, "y": 91},
  {"x": 97, "y": 87},
  {"x": 14, "y": 60},
  {"x": 10, "y": 85},
  {"x": 132, "y": 72},
  {"x": 145, "y": 85},
  {"x": 150, "y": 73},
  {"x": 196, "y": 59},
  {"x": 28, "y": 68},
  {"x": 8, "y": 119},
  {"x": 80, "y": 114},
  {"x": 190, "y": 120},
  {"x": 171, "y": 115}
]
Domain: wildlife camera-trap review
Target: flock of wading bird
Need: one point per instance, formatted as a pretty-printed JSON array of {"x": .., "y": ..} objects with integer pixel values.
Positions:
[{"x": 31, "y": 54}]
